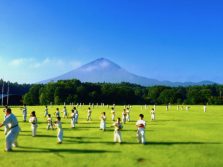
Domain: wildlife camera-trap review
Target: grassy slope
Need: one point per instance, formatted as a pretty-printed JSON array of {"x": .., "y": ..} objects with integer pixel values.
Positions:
[{"x": 176, "y": 138}]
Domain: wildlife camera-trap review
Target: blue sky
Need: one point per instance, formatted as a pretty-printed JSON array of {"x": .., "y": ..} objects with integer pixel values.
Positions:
[{"x": 162, "y": 39}]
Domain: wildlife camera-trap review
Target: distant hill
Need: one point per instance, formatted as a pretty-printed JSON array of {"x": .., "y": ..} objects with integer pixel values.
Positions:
[{"x": 104, "y": 70}]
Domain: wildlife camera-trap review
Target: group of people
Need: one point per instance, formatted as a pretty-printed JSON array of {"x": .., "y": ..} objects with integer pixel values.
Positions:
[{"x": 12, "y": 128}]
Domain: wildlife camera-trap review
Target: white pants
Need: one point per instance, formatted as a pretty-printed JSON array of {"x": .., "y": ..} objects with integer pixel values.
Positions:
[
  {"x": 113, "y": 117},
  {"x": 11, "y": 138},
  {"x": 124, "y": 119},
  {"x": 153, "y": 117},
  {"x": 89, "y": 117},
  {"x": 65, "y": 114},
  {"x": 76, "y": 118},
  {"x": 117, "y": 136},
  {"x": 128, "y": 117},
  {"x": 141, "y": 135},
  {"x": 46, "y": 113},
  {"x": 73, "y": 123},
  {"x": 102, "y": 125},
  {"x": 60, "y": 135},
  {"x": 34, "y": 128},
  {"x": 24, "y": 116},
  {"x": 49, "y": 126}
]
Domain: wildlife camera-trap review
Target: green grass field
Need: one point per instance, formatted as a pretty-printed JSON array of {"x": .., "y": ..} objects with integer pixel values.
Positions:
[{"x": 177, "y": 138}]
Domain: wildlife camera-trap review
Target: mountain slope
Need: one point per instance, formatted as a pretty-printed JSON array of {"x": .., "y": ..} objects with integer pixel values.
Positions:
[{"x": 104, "y": 70}]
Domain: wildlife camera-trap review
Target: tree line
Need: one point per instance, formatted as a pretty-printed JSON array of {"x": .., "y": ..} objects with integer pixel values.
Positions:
[{"x": 73, "y": 91}]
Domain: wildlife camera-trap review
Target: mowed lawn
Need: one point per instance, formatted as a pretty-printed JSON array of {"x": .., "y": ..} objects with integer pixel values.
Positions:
[{"x": 177, "y": 138}]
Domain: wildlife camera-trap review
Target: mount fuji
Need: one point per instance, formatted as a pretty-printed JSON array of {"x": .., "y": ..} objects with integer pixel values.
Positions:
[{"x": 103, "y": 70}]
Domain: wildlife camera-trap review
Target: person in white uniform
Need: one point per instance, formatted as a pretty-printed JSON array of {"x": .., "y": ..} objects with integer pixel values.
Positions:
[
  {"x": 117, "y": 132},
  {"x": 57, "y": 113},
  {"x": 65, "y": 112},
  {"x": 46, "y": 112},
  {"x": 113, "y": 113},
  {"x": 128, "y": 114},
  {"x": 103, "y": 121},
  {"x": 205, "y": 108},
  {"x": 72, "y": 116},
  {"x": 89, "y": 111},
  {"x": 58, "y": 124},
  {"x": 33, "y": 121},
  {"x": 152, "y": 114},
  {"x": 24, "y": 112},
  {"x": 76, "y": 115},
  {"x": 13, "y": 130},
  {"x": 141, "y": 124},
  {"x": 124, "y": 116},
  {"x": 49, "y": 122}
]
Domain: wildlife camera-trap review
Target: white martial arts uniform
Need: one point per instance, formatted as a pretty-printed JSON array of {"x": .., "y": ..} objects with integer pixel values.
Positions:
[
  {"x": 124, "y": 117},
  {"x": 64, "y": 112},
  {"x": 34, "y": 125},
  {"x": 103, "y": 122},
  {"x": 113, "y": 114},
  {"x": 59, "y": 131},
  {"x": 76, "y": 116},
  {"x": 50, "y": 123},
  {"x": 141, "y": 131},
  {"x": 89, "y": 115},
  {"x": 205, "y": 108},
  {"x": 24, "y": 112},
  {"x": 117, "y": 132},
  {"x": 57, "y": 113},
  {"x": 152, "y": 115},
  {"x": 13, "y": 131},
  {"x": 46, "y": 112},
  {"x": 72, "y": 120},
  {"x": 127, "y": 115}
]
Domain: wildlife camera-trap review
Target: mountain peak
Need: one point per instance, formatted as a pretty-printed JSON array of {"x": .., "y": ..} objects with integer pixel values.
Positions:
[
  {"x": 104, "y": 70},
  {"x": 99, "y": 64}
]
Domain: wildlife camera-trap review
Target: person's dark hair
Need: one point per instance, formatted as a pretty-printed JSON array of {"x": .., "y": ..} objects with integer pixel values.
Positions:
[
  {"x": 8, "y": 110},
  {"x": 58, "y": 118},
  {"x": 141, "y": 115},
  {"x": 33, "y": 113},
  {"x": 49, "y": 115}
]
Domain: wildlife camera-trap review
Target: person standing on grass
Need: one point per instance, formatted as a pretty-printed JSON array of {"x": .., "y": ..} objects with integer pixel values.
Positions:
[
  {"x": 13, "y": 130},
  {"x": 141, "y": 124},
  {"x": 89, "y": 111},
  {"x": 152, "y": 114},
  {"x": 205, "y": 108},
  {"x": 46, "y": 112},
  {"x": 128, "y": 114},
  {"x": 103, "y": 121},
  {"x": 65, "y": 112},
  {"x": 33, "y": 121},
  {"x": 57, "y": 113},
  {"x": 58, "y": 125},
  {"x": 24, "y": 112},
  {"x": 72, "y": 116},
  {"x": 76, "y": 115},
  {"x": 124, "y": 116},
  {"x": 113, "y": 113},
  {"x": 49, "y": 122},
  {"x": 117, "y": 132}
]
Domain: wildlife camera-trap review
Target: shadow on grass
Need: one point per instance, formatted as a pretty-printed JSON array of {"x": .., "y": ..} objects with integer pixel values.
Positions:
[
  {"x": 62, "y": 150},
  {"x": 180, "y": 143}
]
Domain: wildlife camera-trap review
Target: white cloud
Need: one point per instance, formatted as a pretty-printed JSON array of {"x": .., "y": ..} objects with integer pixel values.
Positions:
[{"x": 32, "y": 70}]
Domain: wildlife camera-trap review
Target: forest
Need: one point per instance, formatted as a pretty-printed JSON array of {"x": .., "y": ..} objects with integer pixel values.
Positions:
[{"x": 73, "y": 91}]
